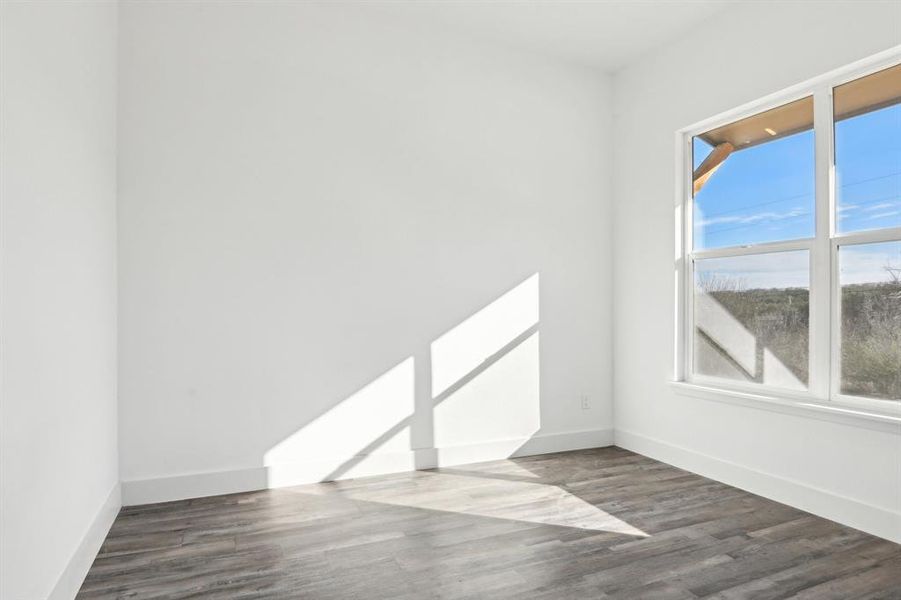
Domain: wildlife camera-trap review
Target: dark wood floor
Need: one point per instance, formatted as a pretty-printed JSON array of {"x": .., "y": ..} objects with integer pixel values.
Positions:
[{"x": 599, "y": 524}]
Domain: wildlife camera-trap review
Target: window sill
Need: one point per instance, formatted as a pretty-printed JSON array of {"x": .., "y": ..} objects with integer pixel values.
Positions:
[{"x": 888, "y": 421}]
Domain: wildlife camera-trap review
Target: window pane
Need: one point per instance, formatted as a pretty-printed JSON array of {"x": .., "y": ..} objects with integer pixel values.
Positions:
[
  {"x": 751, "y": 318},
  {"x": 753, "y": 180},
  {"x": 870, "y": 276},
  {"x": 868, "y": 152}
]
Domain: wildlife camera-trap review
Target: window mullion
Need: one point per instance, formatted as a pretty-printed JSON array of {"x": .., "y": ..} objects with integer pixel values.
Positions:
[
  {"x": 684, "y": 271},
  {"x": 822, "y": 256}
]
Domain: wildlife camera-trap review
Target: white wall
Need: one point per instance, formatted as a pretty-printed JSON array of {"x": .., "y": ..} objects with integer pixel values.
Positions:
[
  {"x": 846, "y": 472},
  {"x": 58, "y": 455},
  {"x": 310, "y": 198}
]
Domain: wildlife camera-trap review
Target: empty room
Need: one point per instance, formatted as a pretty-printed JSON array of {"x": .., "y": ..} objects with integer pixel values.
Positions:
[{"x": 450, "y": 299}]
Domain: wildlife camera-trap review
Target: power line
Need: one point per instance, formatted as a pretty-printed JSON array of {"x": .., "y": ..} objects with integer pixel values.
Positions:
[
  {"x": 895, "y": 174},
  {"x": 734, "y": 210},
  {"x": 746, "y": 225},
  {"x": 804, "y": 195},
  {"x": 714, "y": 231}
]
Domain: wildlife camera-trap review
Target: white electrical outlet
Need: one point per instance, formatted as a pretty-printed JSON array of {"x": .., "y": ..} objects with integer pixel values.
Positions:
[{"x": 585, "y": 403}]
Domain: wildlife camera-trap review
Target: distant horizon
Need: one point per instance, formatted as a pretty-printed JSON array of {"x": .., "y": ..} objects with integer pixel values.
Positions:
[
  {"x": 806, "y": 289},
  {"x": 858, "y": 264}
]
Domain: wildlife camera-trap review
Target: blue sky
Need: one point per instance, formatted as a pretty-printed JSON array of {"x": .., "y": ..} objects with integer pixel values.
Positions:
[
  {"x": 766, "y": 193},
  {"x": 762, "y": 194},
  {"x": 868, "y": 170}
]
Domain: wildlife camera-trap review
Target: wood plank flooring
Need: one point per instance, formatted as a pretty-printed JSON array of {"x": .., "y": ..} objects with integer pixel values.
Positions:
[{"x": 599, "y": 524}]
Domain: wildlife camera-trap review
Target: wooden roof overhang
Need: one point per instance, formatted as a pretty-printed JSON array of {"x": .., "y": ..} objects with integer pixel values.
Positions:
[{"x": 879, "y": 90}]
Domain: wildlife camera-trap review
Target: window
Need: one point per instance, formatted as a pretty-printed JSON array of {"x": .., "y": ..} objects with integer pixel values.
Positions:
[
  {"x": 751, "y": 186},
  {"x": 791, "y": 248}
]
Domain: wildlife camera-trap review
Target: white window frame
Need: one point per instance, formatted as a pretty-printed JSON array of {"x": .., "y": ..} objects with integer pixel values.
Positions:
[{"x": 825, "y": 293}]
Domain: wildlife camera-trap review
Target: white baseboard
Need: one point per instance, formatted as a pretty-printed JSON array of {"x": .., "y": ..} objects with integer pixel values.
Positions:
[
  {"x": 196, "y": 485},
  {"x": 848, "y": 511},
  {"x": 73, "y": 575}
]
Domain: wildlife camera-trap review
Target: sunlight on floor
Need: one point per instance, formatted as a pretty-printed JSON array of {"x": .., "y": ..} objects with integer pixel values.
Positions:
[
  {"x": 487, "y": 497},
  {"x": 501, "y": 469}
]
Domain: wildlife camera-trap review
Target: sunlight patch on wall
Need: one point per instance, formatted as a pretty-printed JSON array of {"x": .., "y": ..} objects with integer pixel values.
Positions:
[
  {"x": 500, "y": 402},
  {"x": 485, "y": 390},
  {"x": 462, "y": 349},
  {"x": 485, "y": 372},
  {"x": 370, "y": 415}
]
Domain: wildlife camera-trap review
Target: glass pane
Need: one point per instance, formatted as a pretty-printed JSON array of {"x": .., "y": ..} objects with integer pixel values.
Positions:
[
  {"x": 870, "y": 277},
  {"x": 753, "y": 180},
  {"x": 751, "y": 318},
  {"x": 868, "y": 152}
]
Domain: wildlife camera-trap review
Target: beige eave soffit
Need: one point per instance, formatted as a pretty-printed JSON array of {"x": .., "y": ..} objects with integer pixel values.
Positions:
[{"x": 870, "y": 93}]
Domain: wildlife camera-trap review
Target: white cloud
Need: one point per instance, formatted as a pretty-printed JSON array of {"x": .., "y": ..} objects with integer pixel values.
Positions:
[
  {"x": 881, "y": 206},
  {"x": 756, "y": 218},
  {"x": 882, "y": 215}
]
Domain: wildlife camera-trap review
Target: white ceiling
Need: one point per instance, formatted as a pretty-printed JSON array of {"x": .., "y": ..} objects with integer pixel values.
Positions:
[{"x": 605, "y": 34}]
